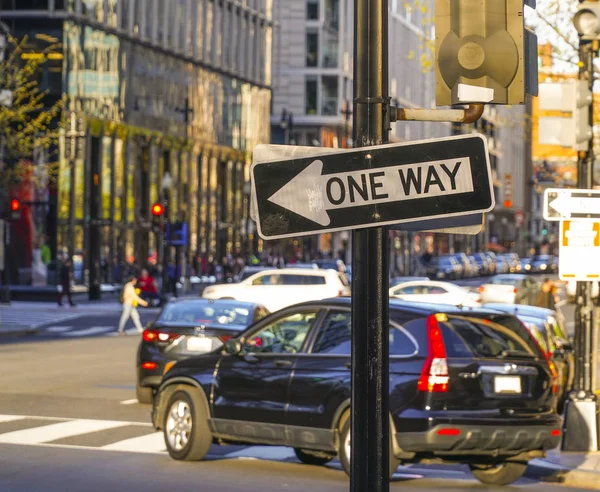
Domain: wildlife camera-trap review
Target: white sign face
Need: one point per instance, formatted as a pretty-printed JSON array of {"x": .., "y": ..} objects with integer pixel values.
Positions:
[
  {"x": 383, "y": 185},
  {"x": 575, "y": 204},
  {"x": 579, "y": 250}
]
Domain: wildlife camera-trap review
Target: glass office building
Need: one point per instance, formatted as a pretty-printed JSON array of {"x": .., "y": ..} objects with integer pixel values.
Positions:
[{"x": 153, "y": 86}]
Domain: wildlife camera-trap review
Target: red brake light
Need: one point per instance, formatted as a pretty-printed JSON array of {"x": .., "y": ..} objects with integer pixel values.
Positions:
[
  {"x": 555, "y": 432},
  {"x": 149, "y": 365},
  {"x": 481, "y": 288},
  {"x": 225, "y": 338},
  {"x": 149, "y": 336},
  {"x": 515, "y": 290},
  {"x": 434, "y": 376},
  {"x": 159, "y": 336},
  {"x": 448, "y": 432},
  {"x": 547, "y": 356}
]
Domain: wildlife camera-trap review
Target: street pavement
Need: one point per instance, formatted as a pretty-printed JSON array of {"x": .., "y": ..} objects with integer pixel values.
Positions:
[{"x": 69, "y": 421}]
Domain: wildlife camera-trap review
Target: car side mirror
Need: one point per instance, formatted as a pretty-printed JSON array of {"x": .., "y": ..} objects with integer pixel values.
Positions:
[{"x": 233, "y": 346}]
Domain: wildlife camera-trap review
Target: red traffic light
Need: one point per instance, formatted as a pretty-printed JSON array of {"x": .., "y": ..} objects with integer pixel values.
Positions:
[
  {"x": 157, "y": 209},
  {"x": 15, "y": 205}
]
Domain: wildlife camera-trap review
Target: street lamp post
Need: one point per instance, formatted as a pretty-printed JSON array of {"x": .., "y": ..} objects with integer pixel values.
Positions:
[
  {"x": 347, "y": 112},
  {"x": 166, "y": 184},
  {"x": 286, "y": 123}
]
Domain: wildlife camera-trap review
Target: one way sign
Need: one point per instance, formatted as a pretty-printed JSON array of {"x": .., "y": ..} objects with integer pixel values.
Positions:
[{"x": 372, "y": 186}]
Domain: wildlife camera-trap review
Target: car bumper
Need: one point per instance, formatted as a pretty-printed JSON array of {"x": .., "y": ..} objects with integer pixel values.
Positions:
[{"x": 460, "y": 440}]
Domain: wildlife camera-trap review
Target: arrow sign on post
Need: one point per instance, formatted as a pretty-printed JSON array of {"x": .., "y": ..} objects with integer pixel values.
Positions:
[
  {"x": 576, "y": 204},
  {"x": 373, "y": 186}
]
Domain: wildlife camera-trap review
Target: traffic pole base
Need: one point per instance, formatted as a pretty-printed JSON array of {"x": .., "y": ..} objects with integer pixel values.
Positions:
[
  {"x": 94, "y": 293},
  {"x": 580, "y": 427}
]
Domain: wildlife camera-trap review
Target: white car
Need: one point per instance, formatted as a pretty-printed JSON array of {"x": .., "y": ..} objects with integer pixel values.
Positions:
[
  {"x": 435, "y": 292},
  {"x": 510, "y": 289},
  {"x": 572, "y": 287},
  {"x": 279, "y": 288}
]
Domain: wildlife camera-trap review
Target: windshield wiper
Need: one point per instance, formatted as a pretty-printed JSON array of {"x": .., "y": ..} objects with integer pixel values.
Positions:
[{"x": 516, "y": 353}]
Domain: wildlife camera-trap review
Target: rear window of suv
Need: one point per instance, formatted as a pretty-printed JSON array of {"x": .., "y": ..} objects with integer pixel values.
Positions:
[{"x": 498, "y": 336}]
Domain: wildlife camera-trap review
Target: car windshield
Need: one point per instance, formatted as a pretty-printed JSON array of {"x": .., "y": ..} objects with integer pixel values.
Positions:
[
  {"x": 504, "y": 281},
  {"x": 206, "y": 313},
  {"x": 247, "y": 273}
]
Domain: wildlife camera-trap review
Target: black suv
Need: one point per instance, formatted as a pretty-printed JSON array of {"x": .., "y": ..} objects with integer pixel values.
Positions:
[{"x": 464, "y": 387}]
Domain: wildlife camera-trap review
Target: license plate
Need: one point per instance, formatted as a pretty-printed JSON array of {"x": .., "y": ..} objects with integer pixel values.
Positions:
[
  {"x": 507, "y": 384},
  {"x": 199, "y": 344}
]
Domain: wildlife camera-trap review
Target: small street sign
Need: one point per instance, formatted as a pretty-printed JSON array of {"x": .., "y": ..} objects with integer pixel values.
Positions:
[
  {"x": 579, "y": 250},
  {"x": 576, "y": 204},
  {"x": 373, "y": 186}
]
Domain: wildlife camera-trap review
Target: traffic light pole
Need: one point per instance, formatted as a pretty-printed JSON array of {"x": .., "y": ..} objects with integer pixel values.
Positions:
[
  {"x": 581, "y": 420},
  {"x": 165, "y": 246},
  {"x": 370, "y": 424}
]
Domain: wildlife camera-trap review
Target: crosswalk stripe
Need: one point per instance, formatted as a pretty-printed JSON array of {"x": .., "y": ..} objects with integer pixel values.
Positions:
[
  {"x": 10, "y": 418},
  {"x": 93, "y": 330},
  {"x": 38, "y": 435},
  {"x": 151, "y": 443}
]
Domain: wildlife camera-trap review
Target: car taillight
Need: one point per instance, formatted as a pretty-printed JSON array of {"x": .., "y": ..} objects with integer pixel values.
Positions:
[
  {"x": 225, "y": 338},
  {"x": 481, "y": 288},
  {"x": 149, "y": 365},
  {"x": 340, "y": 293},
  {"x": 515, "y": 290},
  {"x": 434, "y": 376},
  {"x": 548, "y": 357},
  {"x": 159, "y": 336}
]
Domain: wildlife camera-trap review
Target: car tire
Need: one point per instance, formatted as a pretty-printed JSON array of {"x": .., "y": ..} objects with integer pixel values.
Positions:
[
  {"x": 499, "y": 474},
  {"x": 312, "y": 458},
  {"x": 186, "y": 431},
  {"x": 144, "y": 394},
  {"x": 343, "y": 452}
]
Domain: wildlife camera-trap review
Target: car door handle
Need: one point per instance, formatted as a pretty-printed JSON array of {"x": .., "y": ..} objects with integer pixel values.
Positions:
[{"x": 282, "y": 363}]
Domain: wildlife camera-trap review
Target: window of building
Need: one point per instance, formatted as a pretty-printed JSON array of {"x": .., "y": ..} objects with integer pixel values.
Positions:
[
  {"x": 310, "y": 95},
  {"x": 329, "y": 96},
  {"x": 312, "y": 47},
  {"x": 312, "y": 10}
]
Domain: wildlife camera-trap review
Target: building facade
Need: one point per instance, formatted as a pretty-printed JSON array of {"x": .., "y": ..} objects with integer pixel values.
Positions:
[{"x": 154, "y": 87}]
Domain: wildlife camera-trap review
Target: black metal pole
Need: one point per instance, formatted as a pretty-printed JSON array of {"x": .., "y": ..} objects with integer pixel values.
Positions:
[
  {"x": 165, "y": 245},
  {"x": 370, "y": 310},
  {"x": 581, "y": 424}
]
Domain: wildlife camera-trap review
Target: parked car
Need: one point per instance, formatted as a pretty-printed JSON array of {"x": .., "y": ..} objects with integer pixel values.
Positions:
[
  {"x": 248, "y": 271},
  {"x": 436, "y": 293},
  {"x": 468, "y": 269},
  {"x": 463, "y": 388},
  {"x": 443, "y": 267},
  {"x": 525, "y": 265},
  {"x": 279, "y": 288},
  {"x": 400, "y": 280},
  {"x": 509, "y": 289},
  {"x": 548, "y": 329},
  {"x": 188, "y": 327},
  {"x": 502, "y": 265},
  {"x": 514, "y": 262},
  {"x": 572, "y": 290},
  {"x": 543, "y": 264},
  {"x": 491, "y": 257},
  {"x": 478, "y": 265}
]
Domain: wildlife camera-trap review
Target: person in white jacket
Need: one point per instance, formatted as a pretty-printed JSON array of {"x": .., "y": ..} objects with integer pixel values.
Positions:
[{"x": 130, "y": 302}]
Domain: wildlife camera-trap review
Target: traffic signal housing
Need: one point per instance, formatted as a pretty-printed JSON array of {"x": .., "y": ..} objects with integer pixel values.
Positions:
[
  {"x": 483, "y": 52},
  {"x": 15, "y": 209},
  {"x": 158, "y": 212},
  {"x": 587, "y": 21},
  {"x": 582, "y": 129}
]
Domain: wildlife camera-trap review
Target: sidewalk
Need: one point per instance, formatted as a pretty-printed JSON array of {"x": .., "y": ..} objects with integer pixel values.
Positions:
[{"x": 572, "y": 469}]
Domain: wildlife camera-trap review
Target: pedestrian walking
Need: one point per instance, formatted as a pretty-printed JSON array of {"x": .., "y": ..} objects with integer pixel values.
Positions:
[
  {"x": 130, "y": 303},
  {"x": 66, "y": 275},
  {"x": 548, "y": 295}
]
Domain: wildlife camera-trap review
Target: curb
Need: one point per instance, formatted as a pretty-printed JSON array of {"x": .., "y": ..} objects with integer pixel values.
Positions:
[
  {"x": 551, "y": 473},
  {"x": 19, "y": 333}
]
